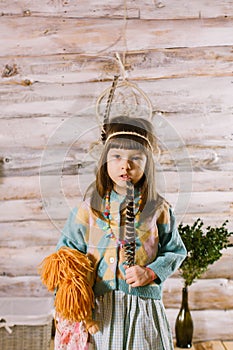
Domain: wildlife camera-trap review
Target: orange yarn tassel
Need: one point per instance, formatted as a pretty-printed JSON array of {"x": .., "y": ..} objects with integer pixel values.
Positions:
[
  {"x": 50, "y": 270},
  {"x": 73, "y": 303},
  {"x": 69, "y": 271}
]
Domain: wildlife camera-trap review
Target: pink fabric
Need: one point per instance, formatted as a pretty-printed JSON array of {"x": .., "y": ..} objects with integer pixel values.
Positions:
[{"x": 70, "y": 336}]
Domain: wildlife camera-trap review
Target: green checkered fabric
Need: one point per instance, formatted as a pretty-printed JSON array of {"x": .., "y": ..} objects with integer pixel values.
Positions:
[{"x": 129, "y": 322}]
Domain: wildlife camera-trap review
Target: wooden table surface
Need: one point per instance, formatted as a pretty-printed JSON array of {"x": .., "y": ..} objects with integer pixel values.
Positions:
[{"x": 212, "y": 345}]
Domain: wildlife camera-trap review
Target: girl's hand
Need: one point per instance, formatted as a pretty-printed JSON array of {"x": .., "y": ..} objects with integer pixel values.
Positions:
[{"x": 138, "y": 276}]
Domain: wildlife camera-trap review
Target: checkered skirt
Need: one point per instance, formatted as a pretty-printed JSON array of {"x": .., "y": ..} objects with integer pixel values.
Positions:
[{"x": 129, "y": 322}]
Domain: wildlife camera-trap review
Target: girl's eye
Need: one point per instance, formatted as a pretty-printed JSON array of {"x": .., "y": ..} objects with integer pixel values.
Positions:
[
  {"x": 116, "y": 156},
  {"x": 136, "y": 158}
]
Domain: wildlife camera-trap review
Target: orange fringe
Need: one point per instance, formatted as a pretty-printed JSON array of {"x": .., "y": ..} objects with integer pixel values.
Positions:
[{"x": 66, "y": 271}]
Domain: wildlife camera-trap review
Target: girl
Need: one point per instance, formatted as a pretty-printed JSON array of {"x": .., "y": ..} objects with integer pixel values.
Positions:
[{"x": 133, "y": 241}]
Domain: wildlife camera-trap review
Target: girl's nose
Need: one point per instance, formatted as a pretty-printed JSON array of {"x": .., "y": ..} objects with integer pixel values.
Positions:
[{"x": 125, "y": 164}]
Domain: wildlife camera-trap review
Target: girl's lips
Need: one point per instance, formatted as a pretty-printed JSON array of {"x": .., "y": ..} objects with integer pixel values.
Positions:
[{"x": 125, "y": 177}]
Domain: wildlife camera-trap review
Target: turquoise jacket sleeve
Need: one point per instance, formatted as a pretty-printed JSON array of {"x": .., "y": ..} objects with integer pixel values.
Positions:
[
  {"x": 73, "y": 234},
  {"x": 171, "y": 250}
]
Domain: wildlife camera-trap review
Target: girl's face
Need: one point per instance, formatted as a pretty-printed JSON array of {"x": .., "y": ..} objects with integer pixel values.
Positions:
[{"x": 125, "y": 165}]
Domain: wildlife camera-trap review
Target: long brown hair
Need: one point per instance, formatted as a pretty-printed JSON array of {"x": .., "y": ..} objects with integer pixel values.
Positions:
[{"x": 104, "y": 184}]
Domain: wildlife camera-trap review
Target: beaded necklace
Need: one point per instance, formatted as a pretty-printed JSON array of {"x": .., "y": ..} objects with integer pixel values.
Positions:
[{"x": 108, "y": 217}]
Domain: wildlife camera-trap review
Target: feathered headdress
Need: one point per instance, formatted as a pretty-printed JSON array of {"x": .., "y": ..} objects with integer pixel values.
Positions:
[
  {"x": 129, "y": 245},
  {"x": 108, "y": 108}
]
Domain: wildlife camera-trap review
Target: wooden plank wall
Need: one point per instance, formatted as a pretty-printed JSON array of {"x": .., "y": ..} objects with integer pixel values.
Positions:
[{"x": 56, "y": 58}]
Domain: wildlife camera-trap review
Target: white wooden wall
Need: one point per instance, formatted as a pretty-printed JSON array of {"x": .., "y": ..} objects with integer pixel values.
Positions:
[{"x": 56, "y": 58}]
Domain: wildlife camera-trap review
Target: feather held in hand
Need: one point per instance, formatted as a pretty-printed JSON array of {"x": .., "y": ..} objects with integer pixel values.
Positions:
[
  {"x": 69, "y": 272},
  {"x": 130, "y": 227}
]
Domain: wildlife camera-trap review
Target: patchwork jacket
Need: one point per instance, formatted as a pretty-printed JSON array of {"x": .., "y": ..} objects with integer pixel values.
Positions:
[{"x": 158, "y": 245}]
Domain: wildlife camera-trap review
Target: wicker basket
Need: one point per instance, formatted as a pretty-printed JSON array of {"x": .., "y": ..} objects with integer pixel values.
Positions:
[{"x": 26, "y": 323}]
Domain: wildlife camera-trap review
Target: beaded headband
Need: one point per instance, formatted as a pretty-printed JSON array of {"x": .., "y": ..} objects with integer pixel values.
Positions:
[{"x": 129, "y": 133}]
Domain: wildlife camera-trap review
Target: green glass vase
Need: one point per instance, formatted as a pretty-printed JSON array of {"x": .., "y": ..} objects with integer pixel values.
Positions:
[{"x": 184, "y": 323}]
